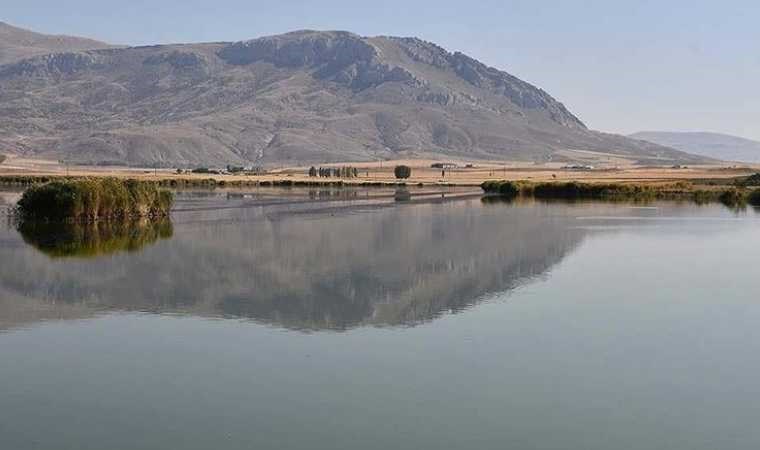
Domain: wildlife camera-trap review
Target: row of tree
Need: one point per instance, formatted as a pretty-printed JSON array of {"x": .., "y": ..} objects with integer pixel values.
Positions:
[
  {"x": 337, "y": 172},
  {"x": 352, "y": 172}
]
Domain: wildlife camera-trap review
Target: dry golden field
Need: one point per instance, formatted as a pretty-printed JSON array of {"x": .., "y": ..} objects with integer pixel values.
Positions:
[{"x": 421, "y": 172}]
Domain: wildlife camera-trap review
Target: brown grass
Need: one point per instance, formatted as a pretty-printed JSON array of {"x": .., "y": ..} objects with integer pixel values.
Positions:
[{"x": 382, "y": 172}]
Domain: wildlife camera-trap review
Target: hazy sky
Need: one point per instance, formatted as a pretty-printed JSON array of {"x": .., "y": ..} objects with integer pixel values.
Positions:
[{"x": 620, "y": 66}]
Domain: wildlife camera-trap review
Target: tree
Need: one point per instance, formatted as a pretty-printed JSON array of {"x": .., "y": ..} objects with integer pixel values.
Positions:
[
  {"x": 402, "y": 171},
  {"x": 312, "y": 171}
]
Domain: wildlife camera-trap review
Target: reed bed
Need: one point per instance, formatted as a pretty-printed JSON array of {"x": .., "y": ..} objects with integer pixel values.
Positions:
[{"x": 92, "y": 199}]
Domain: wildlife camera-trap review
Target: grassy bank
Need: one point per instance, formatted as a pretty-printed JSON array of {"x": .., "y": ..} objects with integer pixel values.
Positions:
[
  {"x": 729, "y": 195},
  {"x": 94, "y": 199}
]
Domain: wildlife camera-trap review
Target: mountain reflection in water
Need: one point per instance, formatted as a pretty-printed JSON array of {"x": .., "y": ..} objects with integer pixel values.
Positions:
[{"x": 296, "y": 265}]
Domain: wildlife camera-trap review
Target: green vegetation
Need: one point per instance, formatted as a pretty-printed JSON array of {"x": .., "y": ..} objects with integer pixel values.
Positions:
[
  {"x": 752, "y": 180},
  {"x": 570, "y": 190},
  {"x": 402, "y": 171},
  {"x": 754, "y": 198},
  {"x": 28, "y": 180},
  {"x": 733, "y": 197},
  {"x": 573, "y": 190},
  {"x": 94, "y": 199},
  {"x": 504, "y": 188},
  {"x": 205, "y": 170},
  {"x": 728, "y": 195},
  {"x": 86, "y": 240}
]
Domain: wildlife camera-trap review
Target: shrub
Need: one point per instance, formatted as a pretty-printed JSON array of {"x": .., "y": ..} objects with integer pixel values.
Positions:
[
  {"x": 312, "y": 171},
  {"x": 754, "y": 198},
  {"x": 732, "y": 197},
  {"x": 402, "y": 171},
  {"x": 205, "y": 170},
  {"x": 93, "y": 199},
  {"x": 752, "y": 180},
  {"x": 503, "y": 188},
  {"x": 575, "y": 190}
]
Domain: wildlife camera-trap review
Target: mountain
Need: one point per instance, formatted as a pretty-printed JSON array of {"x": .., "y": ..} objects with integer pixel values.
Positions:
[
  {"x": 17, "y": 44},
  {"x": 711, "y": 145},
  {"x": 297, "y": 98}
]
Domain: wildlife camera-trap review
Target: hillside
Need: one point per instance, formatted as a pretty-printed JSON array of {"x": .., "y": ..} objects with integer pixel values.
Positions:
[
  {"x": 17, "y": 44},
  {"x": 298, "y": 98},
  {"x": 711, "y": 145}
]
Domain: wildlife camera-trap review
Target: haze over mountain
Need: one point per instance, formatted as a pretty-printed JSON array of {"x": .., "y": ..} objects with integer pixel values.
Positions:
[
  {"x": 298, "y": 98},
  {"x": 711, "y": 145}
]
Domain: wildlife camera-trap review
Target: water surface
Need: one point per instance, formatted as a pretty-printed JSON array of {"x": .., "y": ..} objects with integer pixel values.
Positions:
[{"x": 350, "y": 319}]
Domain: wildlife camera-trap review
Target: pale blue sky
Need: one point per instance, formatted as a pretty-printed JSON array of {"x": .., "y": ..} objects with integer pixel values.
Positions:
[{"x": 620, "y": 66}]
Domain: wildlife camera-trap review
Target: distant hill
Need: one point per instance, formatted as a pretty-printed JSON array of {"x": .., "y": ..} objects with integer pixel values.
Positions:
[
  {"x": 711, "y": 145},
  {"x": 17, "y": 44},
  {"x": 297, "y": 98}
]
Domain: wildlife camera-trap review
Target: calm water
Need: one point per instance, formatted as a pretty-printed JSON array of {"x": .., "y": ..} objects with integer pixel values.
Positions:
[{"x": 350, "y": 320}]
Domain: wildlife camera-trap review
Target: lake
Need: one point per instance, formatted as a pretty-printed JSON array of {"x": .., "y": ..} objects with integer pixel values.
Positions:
[{"x": 377, "y": 319}]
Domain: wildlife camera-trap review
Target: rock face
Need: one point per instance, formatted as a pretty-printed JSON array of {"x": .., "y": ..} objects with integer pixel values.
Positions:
[
  {"x": 298, "y": 98},
  {"x": 710, "y": 145}
]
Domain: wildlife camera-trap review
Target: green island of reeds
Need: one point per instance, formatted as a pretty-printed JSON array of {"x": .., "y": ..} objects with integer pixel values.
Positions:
[
  {"x": 572, "y": 190},
  {"x": 91, "y": 239},
  {"x": 94, "y": 199}
]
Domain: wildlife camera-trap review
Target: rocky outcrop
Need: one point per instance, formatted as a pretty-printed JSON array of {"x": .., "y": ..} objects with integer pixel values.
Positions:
[
  {"x": 338, "y": 56},
  {"x": 53, "y": 65}
]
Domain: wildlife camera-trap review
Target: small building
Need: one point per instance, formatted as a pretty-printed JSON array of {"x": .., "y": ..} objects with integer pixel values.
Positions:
[{"x": 443, "y": 165}]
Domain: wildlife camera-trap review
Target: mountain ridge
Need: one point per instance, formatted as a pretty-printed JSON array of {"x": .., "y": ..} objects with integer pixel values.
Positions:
[
  {"x": 300, "y": 97},
  {"x": 713, "y": 145},
  {"x": 17, "y": 43}
]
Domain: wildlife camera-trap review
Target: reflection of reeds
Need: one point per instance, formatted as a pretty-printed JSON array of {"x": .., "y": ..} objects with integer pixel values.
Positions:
[
  {"x": 85, "y": 240},
  {"x": 754, "y": 198},
  {"x": 94, "y": 199}
]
